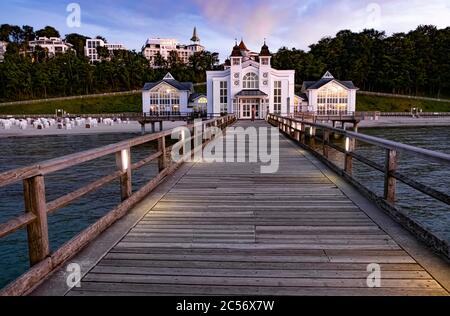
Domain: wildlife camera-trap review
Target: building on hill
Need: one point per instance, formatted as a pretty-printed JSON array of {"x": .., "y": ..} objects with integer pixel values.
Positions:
[
  {"x": 249, "y": 87},
  {"x": 329, "y": 96},
  {"x": 171, "y": 97},
  {"x": 52, "y": 45},
  {"x": 90, "y": 49},
  {"x": 163, "y": 47}
]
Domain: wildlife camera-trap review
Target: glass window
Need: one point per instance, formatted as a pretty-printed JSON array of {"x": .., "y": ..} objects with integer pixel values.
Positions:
[
  {"x": 223, "y": 97},
  {"x": 332, "y": 100},
  {"x": 277, "y": 97},
  {"x": 251, "y": 81}
]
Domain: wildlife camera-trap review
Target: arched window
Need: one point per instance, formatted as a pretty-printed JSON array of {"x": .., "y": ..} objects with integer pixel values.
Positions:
[{"x": 251, "y": 81}]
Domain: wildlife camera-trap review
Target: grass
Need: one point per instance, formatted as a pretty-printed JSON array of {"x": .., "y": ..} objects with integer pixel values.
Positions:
[
  {"x": 105, "y": 104},
  {"x": 133, "y": 103},
  {"x": 390, "y": 104}
]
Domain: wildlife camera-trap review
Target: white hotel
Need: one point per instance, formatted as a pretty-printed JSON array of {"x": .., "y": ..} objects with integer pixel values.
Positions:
[
  {"x": 90, "y": 50},
  {"x": 53, "y": 45},
  {"x": 250, "y": 87},
  {"x": 164, "y": 46},
  {"x": 3, "y": 46}
]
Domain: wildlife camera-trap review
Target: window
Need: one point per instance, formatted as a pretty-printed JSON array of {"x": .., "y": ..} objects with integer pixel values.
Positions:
[
  {"x": 236, "y": 61},
  {"x": 223, "y": 97},
  {"x": 277, "y": 97},
  {"x": 165, "y": 100},
  {"x": 264, "y": 61},
  {"x": 251, "y": 81},
  {"x": 332, "y": 99}
]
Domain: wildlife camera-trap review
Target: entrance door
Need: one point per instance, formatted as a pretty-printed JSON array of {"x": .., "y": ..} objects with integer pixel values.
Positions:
[
  {"x": 250, "y": 108},
  {"x": 246, "y": 111}
]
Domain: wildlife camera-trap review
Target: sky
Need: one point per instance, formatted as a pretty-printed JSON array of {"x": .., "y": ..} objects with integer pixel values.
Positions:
[{"x": 290, "y": 23}]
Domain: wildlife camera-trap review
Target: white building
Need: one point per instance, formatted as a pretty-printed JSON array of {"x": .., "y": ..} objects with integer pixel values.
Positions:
[
  {"x": 90, "y": 50},
  {"x": 3, "y": 46},
  {"x": 329, "y": 96},
  {"x": 169, "y": 96},
  {"x": 164, "y": 46},
  {"x": 53, "y": 45},
  {"x": 249, "y": 87}
]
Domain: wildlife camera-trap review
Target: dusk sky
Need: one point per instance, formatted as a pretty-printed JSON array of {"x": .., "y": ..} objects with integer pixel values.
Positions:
[{"x": 291, "y": 23}]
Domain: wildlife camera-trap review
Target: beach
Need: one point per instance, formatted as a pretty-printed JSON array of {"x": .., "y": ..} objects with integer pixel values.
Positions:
[{"x": 130, "y": 127}]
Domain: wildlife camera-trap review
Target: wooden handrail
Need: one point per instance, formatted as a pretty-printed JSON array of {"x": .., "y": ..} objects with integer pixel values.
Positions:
[
  {"x": 290, "y": 126},
  {"x": 305, "y": 133},
  {"x": 37, "y": 209}
]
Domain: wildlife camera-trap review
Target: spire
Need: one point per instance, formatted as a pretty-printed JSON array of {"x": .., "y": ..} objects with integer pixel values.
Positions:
[
  {"x": 242, "y": 45},
  {"x": 265, "y": 50},
  {"x": 195, "y": 37},
  {"x": 236, "y": 50}
]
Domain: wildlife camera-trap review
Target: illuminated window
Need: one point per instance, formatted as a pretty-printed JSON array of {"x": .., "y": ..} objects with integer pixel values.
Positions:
[
  {"x": 332, "y": 99},
  {"x": 165, "y": 100},
  {"x": 251, "y": 81}
]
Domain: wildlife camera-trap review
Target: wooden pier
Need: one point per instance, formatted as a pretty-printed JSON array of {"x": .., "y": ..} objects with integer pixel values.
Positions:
[{"x": 226, "y": 229}]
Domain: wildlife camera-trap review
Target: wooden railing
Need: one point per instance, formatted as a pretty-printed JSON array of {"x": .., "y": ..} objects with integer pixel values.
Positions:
[
  {"x": 306, "y": 134},
  {"x": 37, "y": 209}
]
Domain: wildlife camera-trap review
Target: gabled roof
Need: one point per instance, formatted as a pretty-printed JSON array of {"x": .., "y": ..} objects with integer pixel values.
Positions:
[
  {"x": 302, "y": 96},
  {"x": 242, "y": 45},
  {"x": 311, "y": 85},
  {"x": 181, "y": 86}
]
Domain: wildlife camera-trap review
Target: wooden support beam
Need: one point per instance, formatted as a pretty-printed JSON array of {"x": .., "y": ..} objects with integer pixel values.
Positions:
[
  {"x": 390, "y": 182},
  {"x": 123, "y": 162},
  {"x": 326, "y": 140},
  {"x": 34, "y": 196},
  {"x": 162, "y": 160}
]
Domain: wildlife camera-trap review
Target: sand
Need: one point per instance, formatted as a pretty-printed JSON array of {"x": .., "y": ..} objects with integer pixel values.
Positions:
[{"x": 132, "y": 127}]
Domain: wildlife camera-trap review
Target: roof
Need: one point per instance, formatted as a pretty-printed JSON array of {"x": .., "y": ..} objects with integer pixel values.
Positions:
[
  {"x": 182, "y": 86},
  {"x": 195, "y": 96},
  {"x": 265, "y": 50},
  {"x": 302, "y": 96},
  {"x": 236, "y": 51},
  {"x": 251, "y": 93},
  {"x": 242, "y": 46},
  {"x": 320, "y": 83}
]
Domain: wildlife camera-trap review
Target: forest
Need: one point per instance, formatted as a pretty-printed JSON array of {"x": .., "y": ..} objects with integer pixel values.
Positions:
[{"x": 413, "y": 63}]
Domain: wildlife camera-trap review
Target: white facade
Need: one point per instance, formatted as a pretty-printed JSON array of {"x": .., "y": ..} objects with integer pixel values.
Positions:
[
  {"x": 249, "y": 87},
  {"x": 330, "y": 96},
  {"x": 52, "y": 45},
  {"x": 90, "y": 50},
  {"x": 164, "y": 46},
  {"x": 3, "y": 46},
  {"x": 167, "y": 96}
]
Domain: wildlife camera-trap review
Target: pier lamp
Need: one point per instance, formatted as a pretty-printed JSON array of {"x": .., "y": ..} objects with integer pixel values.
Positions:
[{"x": 347, "y": 144}]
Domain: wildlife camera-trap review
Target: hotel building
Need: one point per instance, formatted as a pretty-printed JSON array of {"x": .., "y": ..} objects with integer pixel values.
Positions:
[
  {"x": 53, "y": 45},
  {"x": 90, "y": 50},
  {"x": 164, "y": 46}
]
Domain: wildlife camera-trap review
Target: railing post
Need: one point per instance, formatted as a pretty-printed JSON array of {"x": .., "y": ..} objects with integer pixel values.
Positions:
[
  {"x": 162, "y": 161},
  {"x": 302, "y": 133},
  {"x": 389, "y": 181},
  {"x": 349, "y": 147},
  {"x": 34, "y": 195},
  {"x": 326, "y": 140},
  {"x": 123, "y": 162}
]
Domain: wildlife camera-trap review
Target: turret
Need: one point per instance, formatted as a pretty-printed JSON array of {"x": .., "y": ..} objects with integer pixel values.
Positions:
[
  {"x": 265, "y": 56},
  {"x": 195, "y": 37}
]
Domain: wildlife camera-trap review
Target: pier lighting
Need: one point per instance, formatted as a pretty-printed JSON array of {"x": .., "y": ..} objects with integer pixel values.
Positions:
[
  {"x": 311, "y": 131},
  {"x": 347, "y": 144},
  {"x": 125, "y": 160}
]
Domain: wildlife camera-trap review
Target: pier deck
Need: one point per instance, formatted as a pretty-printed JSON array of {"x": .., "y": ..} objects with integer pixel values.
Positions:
[{"x": 227, "y": 229}]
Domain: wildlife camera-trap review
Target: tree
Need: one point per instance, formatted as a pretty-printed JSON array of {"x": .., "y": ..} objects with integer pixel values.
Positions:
[
  {"x": 78, "y": 41},
  {"x": 47, "y": 31}
]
